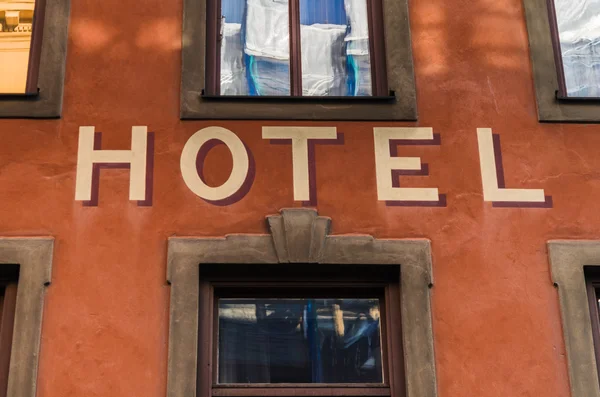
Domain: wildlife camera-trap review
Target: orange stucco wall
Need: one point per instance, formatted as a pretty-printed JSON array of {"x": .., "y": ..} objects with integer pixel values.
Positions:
[{"x": 495, "y": 312}]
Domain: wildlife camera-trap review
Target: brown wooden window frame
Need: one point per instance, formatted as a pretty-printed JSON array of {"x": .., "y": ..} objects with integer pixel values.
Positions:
[
  {"x": 553, "y": 105},
  {"x": 300, "y": 280},
  {"x": 394, "y": 94},
  {"x": 46, "y": 67}
]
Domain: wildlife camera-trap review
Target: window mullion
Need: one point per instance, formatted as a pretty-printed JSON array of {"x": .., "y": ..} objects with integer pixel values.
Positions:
[
  {"x": 377, "y": 48},
  {"x": 213, "y": 44},
  {"x": 295, "y": 49}
]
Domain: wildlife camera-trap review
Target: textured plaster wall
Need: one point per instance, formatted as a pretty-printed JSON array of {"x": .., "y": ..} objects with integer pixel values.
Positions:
[{"x": 496, "y": 319}]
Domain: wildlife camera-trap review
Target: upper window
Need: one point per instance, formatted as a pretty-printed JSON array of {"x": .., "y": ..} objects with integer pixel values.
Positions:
[
  {"x": 277, "y": 59},
  {"x": 576, "y": 34},
  {"x": 33, "y": 35},
  {"x": 297, "y": 48},
  {"x": 19, "y": 48},
  {"x": 565, "y": 52}
]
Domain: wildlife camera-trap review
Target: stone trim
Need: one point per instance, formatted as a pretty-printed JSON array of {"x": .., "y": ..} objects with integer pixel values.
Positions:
[
  {"x": 567, "y": 260},
  {"x": 34, "y": 255},
  {"x": 51, "y": 75},
  {"x": 545, "y": 73},
  {"x": 300, "y": 236},
  {"x": 400, "y": 75}
]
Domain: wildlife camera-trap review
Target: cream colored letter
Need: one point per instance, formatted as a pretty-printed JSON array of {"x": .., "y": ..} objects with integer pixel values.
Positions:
[
  {"x": 87, "y": 156},
  {"x": 300, "y": 137},
  {"x": 385, "y": 163},
  {"x": 189, "y": 171},
  {"x": 489, "y": 178}
]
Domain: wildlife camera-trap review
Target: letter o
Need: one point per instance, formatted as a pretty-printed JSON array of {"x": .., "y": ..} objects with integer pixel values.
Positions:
[{"x": 239, "y": 171}]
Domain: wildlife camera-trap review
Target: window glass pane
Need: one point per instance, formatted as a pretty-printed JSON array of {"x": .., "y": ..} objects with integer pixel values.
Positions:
[
  {"x": 255, "y": 47},
  {"x": 335, "y": 48},
  {"x": 299, "y": 341},
  {"x": 579, "y": 32},
  {"x": 16, "y": 23}
]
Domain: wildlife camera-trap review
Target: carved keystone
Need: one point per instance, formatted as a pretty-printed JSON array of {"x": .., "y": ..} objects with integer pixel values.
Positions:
[{"x": 298, "y": 234}]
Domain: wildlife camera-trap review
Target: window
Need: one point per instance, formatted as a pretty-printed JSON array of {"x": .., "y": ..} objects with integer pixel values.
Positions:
[
  {"x": 577, "y": 47},
  {"x": 33, "y": 36},
  {"x": 298, "y": 48},
  {"x": 301, "y": 329},
  {"x": 19, "y": 48},
  {"x": 8, "y": 301},
  {"x": 297, "y": 59},
  {"x": 575, "y": 267},
  {"x": 245, "y": 303},
  {"x": 25, "y": 271},
  {"x": 593, "y": 293},
  {"x": 565, "y": 48}
]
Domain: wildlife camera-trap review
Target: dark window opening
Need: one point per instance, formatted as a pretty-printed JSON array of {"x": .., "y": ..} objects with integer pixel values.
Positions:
[
  {"x": 8, "y": 300},
  {"x": 298, "y": 331},
  {"x": 300, "y": 340}
]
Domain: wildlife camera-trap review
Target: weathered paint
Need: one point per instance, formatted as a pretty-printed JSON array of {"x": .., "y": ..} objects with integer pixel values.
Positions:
[{"x": 496, "y": 321}]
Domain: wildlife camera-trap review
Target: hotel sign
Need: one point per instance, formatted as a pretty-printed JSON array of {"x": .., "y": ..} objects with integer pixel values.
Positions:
[{"x": 388, "y": 165}]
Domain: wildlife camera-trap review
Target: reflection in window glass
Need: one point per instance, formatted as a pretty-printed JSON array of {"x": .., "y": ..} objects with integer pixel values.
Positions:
[
  {"x": 579, "y": 32},
  {"x": 335, "y": 48},
  {"x": 299, "y": 341},
  {"x": 16, "y": 24},
  {"x": 255, "y": 47}
]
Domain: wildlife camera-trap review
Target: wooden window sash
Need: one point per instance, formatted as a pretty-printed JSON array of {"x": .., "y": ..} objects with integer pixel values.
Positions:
[
  {"x": 295, "y": 38},
  {"x": 8, "y": 302},
  {"x": 558, "y": 60},
  {"x": 390, "y": 328},
  {"x": 377, "y": 50},
  {"x": 35, "y": 50}
]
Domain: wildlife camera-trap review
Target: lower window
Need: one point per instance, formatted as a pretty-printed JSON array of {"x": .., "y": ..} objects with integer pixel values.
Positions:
[
  {"x": 9, "y": 276},
  {"x": 300, "y": 333},
  {"x": 593, "y": 292}
]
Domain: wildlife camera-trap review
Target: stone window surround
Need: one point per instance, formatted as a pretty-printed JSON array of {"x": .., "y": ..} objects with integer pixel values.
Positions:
[
  {"x": 300, "y": 236},
  {"x": 567, "y": 261},
  {"x": 545, "y": 73},
  {"x": 400, "y": 77},
  {"x": 34, "y": 257},
  {"x": 48, "y": 102}
]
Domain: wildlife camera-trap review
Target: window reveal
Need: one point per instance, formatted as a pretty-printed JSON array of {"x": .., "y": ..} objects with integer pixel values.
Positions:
[
  {"x": 297, "y": 47},
  {"x": 20, "y": 44}
]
